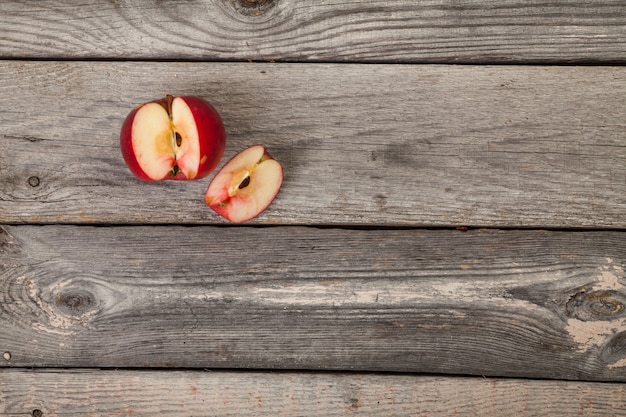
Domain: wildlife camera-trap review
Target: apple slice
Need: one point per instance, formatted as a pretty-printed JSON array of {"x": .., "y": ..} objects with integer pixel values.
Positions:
[
  {"x": 178, "y": 138},
  {"x": 246, "y": 185}
]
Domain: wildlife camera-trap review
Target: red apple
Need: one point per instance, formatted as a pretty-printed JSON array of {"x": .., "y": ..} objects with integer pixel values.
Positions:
[
  {"x": 246, "y": 185},
  {"x": 176, "y": 138}
]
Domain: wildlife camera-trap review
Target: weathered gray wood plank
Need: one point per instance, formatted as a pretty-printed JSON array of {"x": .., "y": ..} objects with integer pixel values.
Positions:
[
  {"x": 63, "y": 393},
  {"x": 474, "y": 31},
  {"x": 360, "y": 144},
  {"x": 496, "y": 303}
]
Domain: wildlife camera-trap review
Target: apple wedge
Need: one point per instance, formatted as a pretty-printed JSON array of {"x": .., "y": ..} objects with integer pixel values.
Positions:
[
  {"x": 246, "y": 185},
  {"x": 177, "y": 138}
]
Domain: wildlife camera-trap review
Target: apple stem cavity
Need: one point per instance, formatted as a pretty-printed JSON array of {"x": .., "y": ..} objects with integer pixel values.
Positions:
[{"x": 169, "y": 99}]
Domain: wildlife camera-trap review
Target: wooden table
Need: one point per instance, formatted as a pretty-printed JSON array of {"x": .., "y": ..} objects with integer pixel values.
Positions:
[{"x": 449, "y": 238}]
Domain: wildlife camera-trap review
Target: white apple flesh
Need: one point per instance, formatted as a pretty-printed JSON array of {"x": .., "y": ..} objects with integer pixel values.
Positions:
[{"x": 246, "y": 185}]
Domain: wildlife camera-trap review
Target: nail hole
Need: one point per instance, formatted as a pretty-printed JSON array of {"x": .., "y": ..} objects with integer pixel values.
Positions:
[
  {"x": 33, "y": 181},
  {"x": 7, "y": 356},
  {"x": 37, "y": 413}
]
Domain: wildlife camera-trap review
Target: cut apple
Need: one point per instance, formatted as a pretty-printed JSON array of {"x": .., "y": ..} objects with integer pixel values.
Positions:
[
  {"x": 246, "y": 185},
  {"x": 179, "y": 138}
]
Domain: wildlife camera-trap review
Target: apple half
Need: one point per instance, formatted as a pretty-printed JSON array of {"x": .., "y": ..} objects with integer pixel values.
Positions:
[
  {"x": 175, "y": 138},
  {"x": 246, "y": 185}
]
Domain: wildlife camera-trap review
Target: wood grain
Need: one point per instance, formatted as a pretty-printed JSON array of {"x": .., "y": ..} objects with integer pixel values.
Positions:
[
  {"x": 141, "y": 393},
  {"x": 495, "y": 303},
  {"x": 360, "y": 144},
  {"x": 485, "y": 31}
]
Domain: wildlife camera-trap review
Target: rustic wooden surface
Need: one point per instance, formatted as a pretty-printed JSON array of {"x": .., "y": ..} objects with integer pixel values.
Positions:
[
  {"x": 495, "y": 303},
  {"x": 116, "y": 296},
  {"x": 360, "y": 144},
  {"x": 493, "y": 31},
  {"x": 168, "y": 394}
]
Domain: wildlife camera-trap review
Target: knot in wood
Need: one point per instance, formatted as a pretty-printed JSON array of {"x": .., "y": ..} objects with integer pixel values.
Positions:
[
  {"x": 596, "y": 305},
  {"x": 614, "y": 349},
  {"x": 253, "y": 7},
  {"x": 75, "y": 303},
  {"x": 37, "y": 413}
]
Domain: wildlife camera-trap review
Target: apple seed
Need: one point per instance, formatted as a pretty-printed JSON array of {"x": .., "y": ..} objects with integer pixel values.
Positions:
[
  {"x": 245, "y": 182},
  {"x": 179, "y": 139}
]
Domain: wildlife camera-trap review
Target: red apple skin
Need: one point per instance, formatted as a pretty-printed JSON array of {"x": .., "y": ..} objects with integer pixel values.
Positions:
[{"x": 211, "y": 132}]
